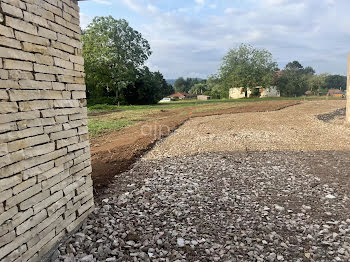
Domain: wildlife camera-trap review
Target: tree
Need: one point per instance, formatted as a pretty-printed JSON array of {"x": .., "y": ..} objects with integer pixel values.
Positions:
[
  {"x": 148, "y": 88},
  {"x": 214, "y": 88},
  {"x": 168, "y": 89},
  {"x": 335, "y": 82},
  {"x": 292, "y": 83},
  {"x": 295, "y": 79},
  {"x": 185, "y": 85},
  {"x": 246, "y": 67},
  {"x": 198, "y": 89},
  {"x": 113, "y": 52},
  {"x": 309, "y": 71},
  {"x": 317, "y": 83},
  {"x": 180, "y": 85},
  {"x": 295, "y": 65}
]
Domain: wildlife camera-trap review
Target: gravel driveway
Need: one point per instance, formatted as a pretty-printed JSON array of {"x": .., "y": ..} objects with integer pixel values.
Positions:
[
  {"x": 294, "y": 128},
  {"x": 270, "y": 197}
]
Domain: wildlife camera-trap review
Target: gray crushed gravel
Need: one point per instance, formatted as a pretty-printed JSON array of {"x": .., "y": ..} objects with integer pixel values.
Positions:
[
  {"x": 331, "y": 116},
  {"x": 292, "y": 129},
  {"x": 256, "y": 206}
]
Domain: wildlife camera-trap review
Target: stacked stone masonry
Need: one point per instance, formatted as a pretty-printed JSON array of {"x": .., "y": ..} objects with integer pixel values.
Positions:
[{"x": 45, "y": 167}]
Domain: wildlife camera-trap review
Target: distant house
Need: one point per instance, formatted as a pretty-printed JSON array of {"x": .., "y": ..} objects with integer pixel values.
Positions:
[
  {"x": 308, "y": 93},
  {"x": 203, "y": 97},
  {"x": 270, "y": 92},
  {"x": 336, "y": 93},
  {"x": 237, "y": 92},
  {"x": 182, "y": 96},
  {"x": 240, "y": 92}
]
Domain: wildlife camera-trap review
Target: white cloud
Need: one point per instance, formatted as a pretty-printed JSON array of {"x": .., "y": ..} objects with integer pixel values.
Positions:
[
  {"x": 183, "y": 10},
  {"x": 330, "y": 2},
  {"x": 133, "y": 5},
  {"x": 152, "y": 67},
  {"x": 276, "y": 2},
  {"x": 152, "y": 8},
  {"x": 84, "y": 20},
  {"x": 315, "y": 32},
  {"x": 200, "y": 2},
  {"x": 103, "y": 2},
  {"x": 230, "y": 10}
]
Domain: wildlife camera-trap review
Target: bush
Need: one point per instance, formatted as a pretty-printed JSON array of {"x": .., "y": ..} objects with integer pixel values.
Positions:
[
  {"x": 106, "y": 100},
  {"x": 212, "y": 94}
]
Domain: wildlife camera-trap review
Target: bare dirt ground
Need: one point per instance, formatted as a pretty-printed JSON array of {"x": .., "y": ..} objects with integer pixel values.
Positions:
[
  {"x": 254, "y": 186},
  {"x": 114, "y": 153}
]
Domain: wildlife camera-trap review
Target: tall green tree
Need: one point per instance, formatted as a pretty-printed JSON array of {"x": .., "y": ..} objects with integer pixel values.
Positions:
[
  {"x": 198, "y": 89},
  {"x": 113, "y": 52},
  {"x": 180, "y": 85},
  {"x": 185, "y": 85},
  {"x": 335, "y": 82},
  {"x": 214, "y": 87},
  {"x": 317, "y": 83},
  {"x": 294, "y": 66},
  {"x": 295, "y": 79},
  {"x": 246, "y": 67},
  {"x": 309, "y": 71},
  {"x": 148, "y": 88}
]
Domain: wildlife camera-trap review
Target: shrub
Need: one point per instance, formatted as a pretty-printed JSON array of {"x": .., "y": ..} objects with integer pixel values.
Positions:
[{"x": 105, "y": 100}]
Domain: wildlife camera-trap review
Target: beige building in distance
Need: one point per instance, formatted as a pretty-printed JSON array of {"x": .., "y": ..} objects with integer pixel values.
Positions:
[{"x": 239, "y": 92}]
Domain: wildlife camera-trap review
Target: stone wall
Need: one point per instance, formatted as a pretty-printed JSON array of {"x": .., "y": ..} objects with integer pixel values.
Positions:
[{"x": 45, "y": 167}]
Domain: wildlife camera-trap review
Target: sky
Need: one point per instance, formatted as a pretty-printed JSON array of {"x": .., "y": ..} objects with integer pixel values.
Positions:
[{"x": 189, "y": 37}]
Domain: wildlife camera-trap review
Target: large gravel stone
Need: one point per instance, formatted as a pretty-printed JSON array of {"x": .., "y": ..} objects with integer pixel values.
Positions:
[{"x": 261, "y": 206}]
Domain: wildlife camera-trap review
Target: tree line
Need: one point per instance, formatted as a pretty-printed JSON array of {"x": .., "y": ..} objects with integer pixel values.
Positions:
[
  {"x": 115, "y": 56},
  {"x": 295, "y": 80},
  {"x": 248, "y": 67}
]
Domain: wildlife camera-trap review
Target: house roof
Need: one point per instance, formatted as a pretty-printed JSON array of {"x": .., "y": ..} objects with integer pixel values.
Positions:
[
  {"x": 335, "y": 91},
  {"x": 179, "y": 94}
]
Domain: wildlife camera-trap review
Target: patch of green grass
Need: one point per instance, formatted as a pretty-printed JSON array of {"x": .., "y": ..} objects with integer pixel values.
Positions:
[
  {"x": 194, "y": 102},
  {"x": 98, "y": 127},
  {"x": 119, "y": 117},
  {"x": 102, "y": 107},
  {"x": 110, "y": 108}
]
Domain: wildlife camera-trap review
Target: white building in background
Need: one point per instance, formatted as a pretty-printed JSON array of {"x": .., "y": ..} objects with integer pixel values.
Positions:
[
  {"x": 203, "y": 97},
  {"x": 270, "y": 92},
  {"x": 239, "y": 92}
]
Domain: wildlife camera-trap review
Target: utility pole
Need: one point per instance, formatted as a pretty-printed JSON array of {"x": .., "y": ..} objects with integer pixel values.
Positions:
[{"x": 347, "y": 118}]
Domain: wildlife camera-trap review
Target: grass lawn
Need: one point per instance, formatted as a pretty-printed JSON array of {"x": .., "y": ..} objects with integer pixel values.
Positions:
[
  {"x": 107, "y": 118},
  {"x": 176, "y": 104}
]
